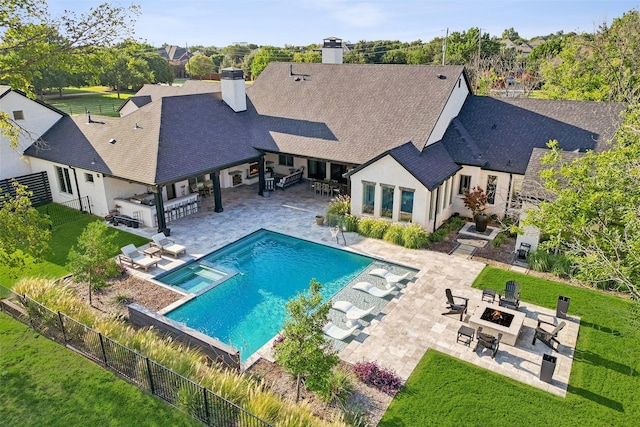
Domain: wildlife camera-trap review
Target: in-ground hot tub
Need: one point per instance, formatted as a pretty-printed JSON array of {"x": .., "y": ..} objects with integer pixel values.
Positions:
[{"x": 495, "y": 320}]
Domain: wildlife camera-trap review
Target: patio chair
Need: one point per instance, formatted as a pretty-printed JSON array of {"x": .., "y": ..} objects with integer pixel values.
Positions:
[
  {"x": 548, "y": 338},
  {"x": 453, "y": 307},
  {"x": 351, "y": 311},
  {"x": 337, "y": 332},
  {"x": 510, "y": 295},
  {"x": 388, "y": 276},
  {"x": 269, "y": 184},
  {"x": 132, "y": 257},
  {"x": 488, "y": 341},
  {"x": 167, "y": 245},
  {"x": 372, "y": 290},
  {"x": 523, "y": 252}
]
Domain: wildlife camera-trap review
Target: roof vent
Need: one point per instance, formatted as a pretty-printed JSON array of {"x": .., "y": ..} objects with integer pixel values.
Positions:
[
  {"x": 494, "y": 126},
  {"x": 88, "y": 117},
  {"x": 112, "y": 141},
  {"x": 441, "y": 76}
]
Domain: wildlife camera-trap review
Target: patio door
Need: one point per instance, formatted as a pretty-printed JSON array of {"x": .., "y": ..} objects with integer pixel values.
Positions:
[
  {"x": 337, "y": 171},
  {"x": 317, "y": 169},
  {"x": 171, "y": 191}
]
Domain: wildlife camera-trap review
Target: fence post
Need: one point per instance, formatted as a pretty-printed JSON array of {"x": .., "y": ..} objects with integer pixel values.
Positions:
[
  {"x": 153, "y": 391},
  {"x": 104, "y": 353},
  {"x": 64, "y": 334},
  {"x": 206, "y": 406}
]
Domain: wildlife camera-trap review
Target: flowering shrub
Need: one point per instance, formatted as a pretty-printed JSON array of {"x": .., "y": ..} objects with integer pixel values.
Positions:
[
  {"x": 277, "y": 340},
  {"x": 383, "y": 379}
]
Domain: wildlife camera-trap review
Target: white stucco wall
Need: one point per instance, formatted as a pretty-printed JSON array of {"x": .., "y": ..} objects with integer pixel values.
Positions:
[
  {"x": 450, "y": 110},
  {"x": 531, "y": 235},
  {"x": 479, "y": 177},
  {"x": 386, "y": 171},
  {"x": 37, "y": 120}
]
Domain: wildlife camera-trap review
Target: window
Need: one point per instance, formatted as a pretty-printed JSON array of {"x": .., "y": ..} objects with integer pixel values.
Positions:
[
  {"x": 432, "y": 204},
  {"x": 88, "y": 177},
  {"x": 451, "y": 191},
  {"x": 406, "y": 205},
  {"x": 387, "y": 201},
  {"x": 18, "y": 115},
  {"x": 317, "y": 169},
  {"x": 64, "y": 180},
  {"x": 492, "y": 183},
  {"x": 465, "y": 184},
  {"x": 368, "y": 197},
  {"x": 285, "y": 160}
]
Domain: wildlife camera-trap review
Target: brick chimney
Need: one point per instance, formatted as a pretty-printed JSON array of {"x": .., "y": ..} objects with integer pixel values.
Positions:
[
  {"x": 332, "y": 50},
  {"x": 233, "y": 91}
]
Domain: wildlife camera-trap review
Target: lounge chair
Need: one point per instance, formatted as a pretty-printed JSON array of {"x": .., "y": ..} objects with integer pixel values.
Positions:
[
  {"x": 488, "y": 341},
  {"x": 337, "y": 332},
  {"x": 167, "y": 245},
  {"x": 510, "y": 295},
  {"x": 388, "y": 276},
  {"x": 351, "y": 311},
  {"x": 132, "y": 257},
  {"x": 548, "y": 338},
  {"x": 372, "y": 290},
  {"x": 456, "y": 307}
]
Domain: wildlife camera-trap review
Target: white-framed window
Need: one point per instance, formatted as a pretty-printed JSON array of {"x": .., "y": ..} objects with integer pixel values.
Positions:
[
  {"x": 492, "y": 183},
  {"x": 64, "y": 180},
  {"x": 387, "y": 201},
  {"x": 451, "y": 191},
  {"x": 18, "y": 115},
  {"x": 433, "y": 203},
  {"x": 88, "y": 177},
  {"x": 465, "y": 184},
  {"x": 406, "y": 204},
  {"x": 368, "y": 197}
]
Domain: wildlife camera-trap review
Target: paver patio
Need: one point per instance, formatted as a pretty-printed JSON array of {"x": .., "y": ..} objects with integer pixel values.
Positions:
[{"x": 411, "y": 322}]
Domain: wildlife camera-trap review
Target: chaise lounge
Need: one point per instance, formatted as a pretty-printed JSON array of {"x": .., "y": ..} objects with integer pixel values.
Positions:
[
  {"x": 372, "y": 290},
  {"x": 133, "y": 258},
  {"x": 351, "y": 311},
  {"x": 167, "y": 245},
  {"x": 388, "y": 276},
  {"x": 337, "y": 332}
]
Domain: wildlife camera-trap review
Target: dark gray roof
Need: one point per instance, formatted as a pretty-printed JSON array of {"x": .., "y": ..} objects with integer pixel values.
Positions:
[
  {"x": 165, "y": 141},
  {"x": 500, "y": 134},
  {"x": 431, "y": 166},
  {"x": 532, "y": 184},
  {"x": 349, "y": 112}
]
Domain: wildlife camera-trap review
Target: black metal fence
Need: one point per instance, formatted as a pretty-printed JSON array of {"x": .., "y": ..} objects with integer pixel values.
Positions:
[
  {"x": 188, "y": 396},
  {"x": 72, "y": 210}
]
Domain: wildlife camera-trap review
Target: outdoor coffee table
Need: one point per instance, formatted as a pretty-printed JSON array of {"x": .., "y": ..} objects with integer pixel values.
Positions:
[
  {"x": 153, "y": 251},
  {"x": 465, "y": 335}
]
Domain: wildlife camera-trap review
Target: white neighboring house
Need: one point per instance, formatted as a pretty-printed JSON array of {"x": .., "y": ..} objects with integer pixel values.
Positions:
[{"x": 34, "y": 118}]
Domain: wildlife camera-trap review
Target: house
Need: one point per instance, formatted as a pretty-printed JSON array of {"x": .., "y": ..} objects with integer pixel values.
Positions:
[
  {"x": 177, "y": 57},
  {"x": 407, "y": 139}
]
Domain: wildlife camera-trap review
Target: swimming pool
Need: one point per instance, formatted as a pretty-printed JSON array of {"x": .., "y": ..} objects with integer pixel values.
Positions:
[{"x": 244, "y": 286}]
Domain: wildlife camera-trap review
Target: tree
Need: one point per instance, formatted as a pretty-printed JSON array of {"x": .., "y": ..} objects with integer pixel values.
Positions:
[
  {"x": 30, "y": 39},
  {"x": 308, "y": 56},
  {"x": 91, "y": 260},
  {"x": 23, "y": 231},
  {"x": 200, "y": 66},
  {"x": 591, "y": 211},
  {"x": 123, "y": 68},
  {"x": 268, "y": 54},
  {"x": 301, "y": 348}
]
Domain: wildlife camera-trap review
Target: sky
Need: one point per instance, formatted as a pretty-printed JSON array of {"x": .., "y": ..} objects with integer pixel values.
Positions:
[{"x": 303, "y": 22}]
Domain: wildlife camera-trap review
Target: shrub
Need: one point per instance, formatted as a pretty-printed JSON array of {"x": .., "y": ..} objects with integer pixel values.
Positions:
[
  {"x": 499, "y": 240},
  {"x": 394, "y": 234},
  {"x": 339, "y": 206},
  {"x": 438, "y": 235},
  {"x": 337, "y": 388},
  {"x": 378, "y": 228},
  {"x": 364, "y": 226},
  {"x": 562, "y": 266},
  {"x": 454, "y": 223},
  {"x": 541, "y": 261},
  {"x": 351, "y": 222},
  {"x": 384, "y": 380},
  {"x": 354, "y": 413},
  {"x": 414, "y": 236}
]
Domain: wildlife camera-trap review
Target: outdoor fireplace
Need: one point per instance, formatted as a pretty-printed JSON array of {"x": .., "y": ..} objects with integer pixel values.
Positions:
[
  {"x": 253, "y": 170},
  {"x": 498, "y": 317}
]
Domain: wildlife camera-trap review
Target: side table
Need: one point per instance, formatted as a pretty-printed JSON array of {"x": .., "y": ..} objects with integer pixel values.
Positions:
[
  {"x": 153, "y": 251},
  {"x": 465, "y": 335}
]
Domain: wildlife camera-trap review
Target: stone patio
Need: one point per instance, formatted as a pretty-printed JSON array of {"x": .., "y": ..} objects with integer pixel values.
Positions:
[{"x": 409, "y": 323}]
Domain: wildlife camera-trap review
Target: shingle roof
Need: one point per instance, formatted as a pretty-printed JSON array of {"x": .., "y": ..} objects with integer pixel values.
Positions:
[
  {"x": 500, "y": 134},
  {"x": 431, "y": 166},
  {"x": 532, "y": 187},
  {"x": 349, "y": 112}
]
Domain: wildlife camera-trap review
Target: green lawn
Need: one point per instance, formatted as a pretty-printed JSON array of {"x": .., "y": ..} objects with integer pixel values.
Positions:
[
  {"x": 603, "y": 388},
  {"x": 44, "y": 384},
  {"x": 100, "y": 104},
  {"x": 63, "y": 237}
]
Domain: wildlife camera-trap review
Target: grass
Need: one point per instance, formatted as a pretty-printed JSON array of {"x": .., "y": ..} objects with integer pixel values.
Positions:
[
  {"x": 99, "y": 104},
  {"x": 604, "y": 379},
  {"x": 63, "y": 237},
  {"x": 43, "y": 383}
]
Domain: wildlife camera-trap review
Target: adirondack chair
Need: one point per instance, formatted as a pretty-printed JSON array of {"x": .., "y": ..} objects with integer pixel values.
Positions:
[
  {"x": 546, "y": 337},
  {"x": 454, "y": 307},
  {"x": 510, "y": 295}
]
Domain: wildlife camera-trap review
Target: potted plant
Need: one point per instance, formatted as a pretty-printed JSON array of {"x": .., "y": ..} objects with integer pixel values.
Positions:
[
  {"x": 476, "y": 200},
  {"x": 319, "y": 219}
]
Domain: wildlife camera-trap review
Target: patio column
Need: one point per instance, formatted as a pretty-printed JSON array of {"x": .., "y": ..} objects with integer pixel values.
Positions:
[
  {"x": 157, "y": 195},
  {"x": 261, "y": 181},
  {"x": 217, "y": 196}
]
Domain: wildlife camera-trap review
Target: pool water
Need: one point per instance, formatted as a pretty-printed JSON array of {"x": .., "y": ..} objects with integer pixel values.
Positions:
[{"x": 242, "y": 303}]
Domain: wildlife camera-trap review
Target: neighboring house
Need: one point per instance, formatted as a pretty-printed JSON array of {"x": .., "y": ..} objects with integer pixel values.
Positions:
[
  {"x": 408, "y": 139},
  {"x": 33, "y": 118},
  {"x": 177, "y": 57}
]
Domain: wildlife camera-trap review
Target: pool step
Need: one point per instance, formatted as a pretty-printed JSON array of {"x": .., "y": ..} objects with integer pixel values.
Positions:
[{"x": 210, "y": 274}]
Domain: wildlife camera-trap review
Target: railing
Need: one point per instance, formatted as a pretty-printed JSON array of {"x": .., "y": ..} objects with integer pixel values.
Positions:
[{"x": 186, "y": 395}]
